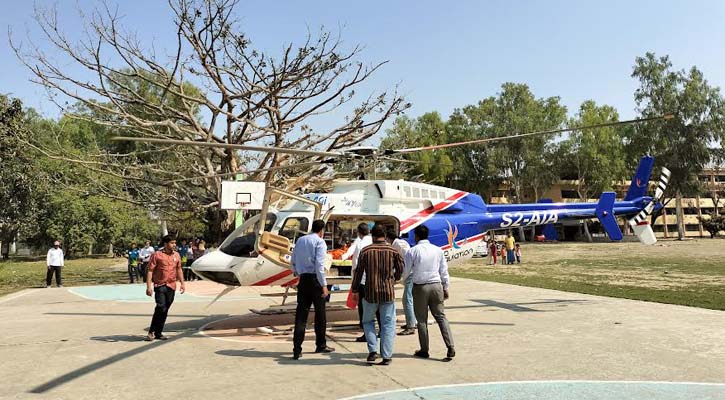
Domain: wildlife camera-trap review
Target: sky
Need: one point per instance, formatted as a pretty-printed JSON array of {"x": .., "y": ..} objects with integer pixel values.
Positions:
[{"x": 444, "y": 55}]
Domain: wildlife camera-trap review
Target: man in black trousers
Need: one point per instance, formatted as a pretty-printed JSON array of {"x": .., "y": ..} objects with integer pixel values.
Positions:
[{"x": 308, "y": 264}]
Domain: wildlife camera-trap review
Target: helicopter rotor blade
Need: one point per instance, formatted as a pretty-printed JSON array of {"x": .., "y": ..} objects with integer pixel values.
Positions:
[
  {"x": 496, "y": 139},
  {"x": 401, "y": 160},
  {"x": 254, "y": 171},
  {"x": 263, "y": 149}
]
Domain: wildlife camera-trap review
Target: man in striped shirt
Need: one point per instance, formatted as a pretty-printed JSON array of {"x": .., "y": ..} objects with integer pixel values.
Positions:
[{"x": 382, "y": 266}]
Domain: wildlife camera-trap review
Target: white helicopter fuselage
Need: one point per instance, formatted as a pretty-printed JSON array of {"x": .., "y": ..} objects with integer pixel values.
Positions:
[{"x": 398, "y": 204}]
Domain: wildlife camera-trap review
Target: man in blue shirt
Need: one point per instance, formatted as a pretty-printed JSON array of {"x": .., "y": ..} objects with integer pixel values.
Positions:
[
  {"x": 133, "y": 256},
  {"x": 308, "y": 264}
]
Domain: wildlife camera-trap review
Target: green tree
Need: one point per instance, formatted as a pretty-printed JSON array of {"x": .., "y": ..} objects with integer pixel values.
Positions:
[
  {"x": 430, "y": 166},
  {"x": 22, "y": 184},
  {"x": 594, "y": 156},
  {"x": 683, "y": 143},
  {"x": 516, "y": 110}
]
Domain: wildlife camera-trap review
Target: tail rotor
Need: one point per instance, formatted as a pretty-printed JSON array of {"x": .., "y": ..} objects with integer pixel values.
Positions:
[{"x": 639, "y": 223}]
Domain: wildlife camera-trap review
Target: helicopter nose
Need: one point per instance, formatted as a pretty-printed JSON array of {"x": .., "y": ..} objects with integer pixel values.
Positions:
[
  {"x": 216, "y": 266},
  {"x": 214, "y": 260}
]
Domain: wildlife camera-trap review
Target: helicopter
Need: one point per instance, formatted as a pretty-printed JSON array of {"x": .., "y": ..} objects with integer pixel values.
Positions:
[{"x": 258, "y": 252}]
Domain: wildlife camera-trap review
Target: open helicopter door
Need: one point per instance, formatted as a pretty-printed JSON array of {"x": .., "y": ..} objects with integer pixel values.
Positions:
[{"x": 276, "y": 247}]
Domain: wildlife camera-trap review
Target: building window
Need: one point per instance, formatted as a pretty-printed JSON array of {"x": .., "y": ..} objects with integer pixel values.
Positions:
[{"x": 569, "y": 194}]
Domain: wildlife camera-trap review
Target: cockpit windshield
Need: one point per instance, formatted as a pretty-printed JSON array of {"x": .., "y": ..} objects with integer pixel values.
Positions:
[{"x": 241, "y": 242}]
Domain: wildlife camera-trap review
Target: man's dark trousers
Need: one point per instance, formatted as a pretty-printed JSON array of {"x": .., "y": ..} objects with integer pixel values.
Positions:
[
  {"x": 309, "y": 292},
  {"x": 49, "y": 275},
  {"x": 164, "y": 298},
  {"x": 132, "y": 273}
]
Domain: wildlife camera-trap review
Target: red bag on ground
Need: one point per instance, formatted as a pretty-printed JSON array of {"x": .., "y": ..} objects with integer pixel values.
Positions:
[{"x": 350, "y": 303}]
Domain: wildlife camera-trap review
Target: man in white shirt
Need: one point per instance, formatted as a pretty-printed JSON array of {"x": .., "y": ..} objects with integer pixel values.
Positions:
[
  {"x": 363, "y": 240},
  {"x": 402, "y": 247},
  {"x": 427, "y": 265},
  {"x": 55, "y": 262},
  {"x": 145, "y": 255}
]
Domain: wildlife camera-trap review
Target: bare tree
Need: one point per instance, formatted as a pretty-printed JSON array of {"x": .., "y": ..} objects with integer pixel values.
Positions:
[{"x": 215, "y": 87}]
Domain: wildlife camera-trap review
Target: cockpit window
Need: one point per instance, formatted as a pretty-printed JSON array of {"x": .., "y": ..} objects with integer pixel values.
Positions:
[
  {"x": 241, "y": 242},
  {"x": 294, "y": 227}
]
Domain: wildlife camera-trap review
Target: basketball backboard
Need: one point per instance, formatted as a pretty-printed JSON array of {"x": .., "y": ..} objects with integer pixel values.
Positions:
[{"x": 242, "y": 195}]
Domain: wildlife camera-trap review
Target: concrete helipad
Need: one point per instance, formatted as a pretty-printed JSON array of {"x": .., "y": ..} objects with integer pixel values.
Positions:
[{"x": 512, "y": 343}]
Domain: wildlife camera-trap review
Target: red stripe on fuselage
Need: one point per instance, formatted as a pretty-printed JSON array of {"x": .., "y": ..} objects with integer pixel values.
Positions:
[
  {"x": 273, "y": 278},
  {"x": 422, "y": 216}
]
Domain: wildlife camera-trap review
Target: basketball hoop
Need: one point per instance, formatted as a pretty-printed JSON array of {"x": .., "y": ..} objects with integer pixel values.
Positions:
[{"x": 242, "y": 195}]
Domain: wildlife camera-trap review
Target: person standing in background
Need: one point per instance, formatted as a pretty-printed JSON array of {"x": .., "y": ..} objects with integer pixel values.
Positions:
[
  {"x": 145, "y": 255},
  {"x": 133, "y": 256},
  {"x": 492, "y": 252},
  {"x": 510, "y": 246},
  {"x": 55, "y": 261}
]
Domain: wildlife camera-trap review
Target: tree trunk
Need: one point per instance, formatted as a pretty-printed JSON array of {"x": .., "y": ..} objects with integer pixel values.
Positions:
[
  {"x": 680, "y": 217},
  {"x": 587, "y": 234}
]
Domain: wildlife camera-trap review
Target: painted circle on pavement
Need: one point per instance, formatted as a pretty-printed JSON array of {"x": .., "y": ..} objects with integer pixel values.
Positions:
[{"x": 558, "y": 390}]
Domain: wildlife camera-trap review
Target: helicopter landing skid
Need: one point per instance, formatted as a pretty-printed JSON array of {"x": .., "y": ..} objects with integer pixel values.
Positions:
[{"x": 291, "y": 308}]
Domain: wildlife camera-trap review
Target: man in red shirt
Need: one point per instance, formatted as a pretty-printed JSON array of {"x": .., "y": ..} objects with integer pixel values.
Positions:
[{"x": 163, "y": 271}]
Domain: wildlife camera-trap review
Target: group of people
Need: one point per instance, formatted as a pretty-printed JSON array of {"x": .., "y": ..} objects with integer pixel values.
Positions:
[
  {"x": 379, "y": 260},
  {"x": 510, "y": 251},
  {"x": 138, "y": 259}
]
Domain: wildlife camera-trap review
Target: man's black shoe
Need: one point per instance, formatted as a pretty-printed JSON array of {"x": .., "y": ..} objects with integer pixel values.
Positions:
[
  {"x": 361, "y": 339},
  {"x": 372, "y": 357},
  {"x": 386, "y": 361},
  {"x": 326, "y": 349},
  {"x": 296, "y": 356},
  {"x": 451, "y": 352},
  {"x": 421, "y": 354}
]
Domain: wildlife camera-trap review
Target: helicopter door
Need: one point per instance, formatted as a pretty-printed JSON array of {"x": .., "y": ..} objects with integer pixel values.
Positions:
[{"x": 277, "y": 247}]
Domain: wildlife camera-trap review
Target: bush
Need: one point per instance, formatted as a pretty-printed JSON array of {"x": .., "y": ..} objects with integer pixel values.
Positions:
[{"x": 713, "y": 223}]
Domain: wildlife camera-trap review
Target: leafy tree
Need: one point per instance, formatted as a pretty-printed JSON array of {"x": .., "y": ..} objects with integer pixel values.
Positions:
[
  {"x": 683, "y": 143},
  {"x": 516, "y": 110},
  {"x": 88, "y": 224},
  {"x": 594, "y": 156},
  {"x": 249, "y": 96},
  {"x": 23, "y": 188},
  {"x": 430, "y": 166},
  {"x": 475, "y": 170}
]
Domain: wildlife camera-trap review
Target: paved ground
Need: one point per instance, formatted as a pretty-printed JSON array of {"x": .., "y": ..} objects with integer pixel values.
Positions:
[{"x": 85, "y": 343}]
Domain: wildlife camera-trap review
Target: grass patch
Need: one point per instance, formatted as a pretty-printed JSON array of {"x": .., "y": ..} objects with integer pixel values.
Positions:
[
  {"x": 695, "y": 296},
  {"x": 18, "y": 275},
  {"x": 685, "y": 273}
]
